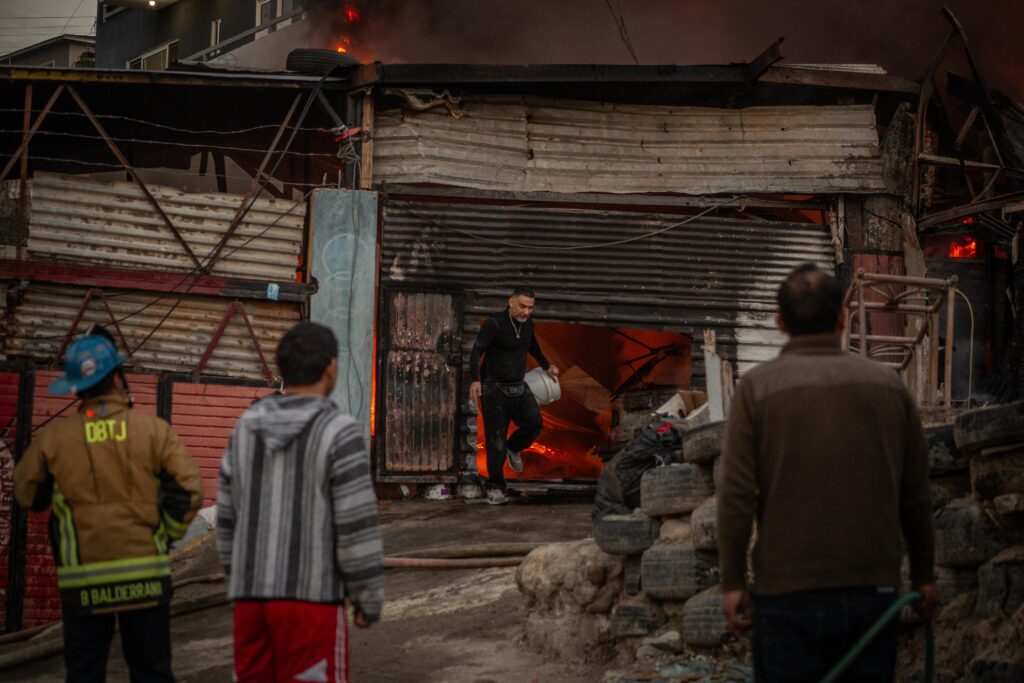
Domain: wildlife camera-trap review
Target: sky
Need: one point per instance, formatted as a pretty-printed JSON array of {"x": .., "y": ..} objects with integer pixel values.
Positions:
[{"x": 25, "y": 22}]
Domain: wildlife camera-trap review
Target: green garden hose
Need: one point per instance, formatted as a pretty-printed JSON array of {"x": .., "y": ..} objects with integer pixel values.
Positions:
[{"x": 876, "y": 628}]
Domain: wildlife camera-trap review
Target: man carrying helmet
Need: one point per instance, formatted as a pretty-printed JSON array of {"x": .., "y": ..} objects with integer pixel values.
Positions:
[{"x": 121, "y": 487}]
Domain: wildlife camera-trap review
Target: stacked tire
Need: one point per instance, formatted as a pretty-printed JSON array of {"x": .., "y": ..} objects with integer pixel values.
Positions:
[{"x": 679, "y": 572}]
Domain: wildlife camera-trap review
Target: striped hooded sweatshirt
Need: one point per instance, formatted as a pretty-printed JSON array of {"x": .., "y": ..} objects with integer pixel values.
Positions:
[{"x": 296, "y": 510}]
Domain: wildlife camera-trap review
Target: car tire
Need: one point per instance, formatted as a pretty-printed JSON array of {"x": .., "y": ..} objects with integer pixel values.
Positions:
[
  {"x": 703, "y": 444},
  {"x": 943, "y": 454},
  {"x": 997, "y": 474},
  {"x": 965, "y": 537},
  {"x": 675, "y": 489},
  {"x": 635, "y": 618},
  {"x": 1001, "y": 583},
  {"x": 991, "y": 426},
  {"x": 625, "y": 534},
  {"x": 703, "y": 622},
  {"x": 676, "y": 572},
  {"x": 704, "y": 526},
  {"x": 318, "y": 62}
]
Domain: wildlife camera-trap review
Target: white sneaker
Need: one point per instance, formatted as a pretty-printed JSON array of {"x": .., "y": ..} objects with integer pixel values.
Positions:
[
  {"x": 496, "y": 497},
  {"x": 515, "y": 461}
]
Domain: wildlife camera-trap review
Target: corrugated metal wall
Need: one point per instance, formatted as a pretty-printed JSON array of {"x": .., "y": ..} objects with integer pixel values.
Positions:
[
  {"x": 536, "y": 144},
  {"x": 111, "y": 224},
  {"x": 203, "y": 415},
  {"x": 709, "y": 273},
  {"x": 41, "y": 315}
]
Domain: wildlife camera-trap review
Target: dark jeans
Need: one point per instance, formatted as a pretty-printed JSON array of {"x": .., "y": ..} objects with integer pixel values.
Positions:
[
  {"x": 800, "y": 636},
  {"x": 499, "y": 410},
  {"x": 145, "y": 640}
]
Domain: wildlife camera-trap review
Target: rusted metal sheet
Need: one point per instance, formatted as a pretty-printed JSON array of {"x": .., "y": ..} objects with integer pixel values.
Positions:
[
  {"x": 41, "y": 315},
  {"x": 203, "y": 415},
  {"x": 535, "y": 144},
  {"x": 421, "y": 382},
  {"x": 721, "y": 273},
  {"x": 112, "y": 224}
]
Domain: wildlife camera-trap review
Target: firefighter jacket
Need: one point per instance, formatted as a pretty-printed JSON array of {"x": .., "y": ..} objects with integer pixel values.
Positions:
[{"x": 121, "y": 486}]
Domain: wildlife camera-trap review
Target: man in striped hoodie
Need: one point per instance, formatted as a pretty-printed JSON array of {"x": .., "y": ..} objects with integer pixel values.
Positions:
[{"x": 297, "y": 523}]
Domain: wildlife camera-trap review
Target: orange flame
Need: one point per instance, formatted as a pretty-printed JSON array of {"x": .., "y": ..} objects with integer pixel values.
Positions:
[{"x": 965, "y": 248}]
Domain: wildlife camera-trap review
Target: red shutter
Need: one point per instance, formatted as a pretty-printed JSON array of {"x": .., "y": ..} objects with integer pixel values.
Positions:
[{"x": 203, "y": 415}]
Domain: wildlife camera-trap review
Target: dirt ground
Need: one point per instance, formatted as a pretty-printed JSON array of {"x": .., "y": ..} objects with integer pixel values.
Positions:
[{"x": 456, "y": 626}]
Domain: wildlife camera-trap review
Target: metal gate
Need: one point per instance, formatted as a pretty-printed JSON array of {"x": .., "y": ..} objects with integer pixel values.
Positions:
[{"x": 419, "y": 383}]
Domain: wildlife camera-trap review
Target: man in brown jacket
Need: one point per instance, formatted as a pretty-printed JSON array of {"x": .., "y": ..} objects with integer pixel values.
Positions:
[
  {"x": 121, "y": 487},
  {"x": 825, "y": 450}
]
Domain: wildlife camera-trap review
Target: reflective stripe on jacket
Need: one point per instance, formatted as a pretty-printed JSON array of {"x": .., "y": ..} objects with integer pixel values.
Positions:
[{"x": 121, "y": 486}]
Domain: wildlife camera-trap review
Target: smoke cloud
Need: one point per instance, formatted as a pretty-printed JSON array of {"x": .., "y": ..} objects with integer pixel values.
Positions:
[{"x": 901, "y": 35}]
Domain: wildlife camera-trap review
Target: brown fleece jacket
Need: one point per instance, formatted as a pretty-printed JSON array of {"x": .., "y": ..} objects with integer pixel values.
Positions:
[{"x": 825, "y": 450}]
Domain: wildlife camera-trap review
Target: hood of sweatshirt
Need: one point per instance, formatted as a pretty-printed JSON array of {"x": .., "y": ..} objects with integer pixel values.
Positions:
[{"x": 281, "y": 418}]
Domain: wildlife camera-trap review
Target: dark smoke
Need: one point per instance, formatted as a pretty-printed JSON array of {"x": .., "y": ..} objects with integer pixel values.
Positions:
[{"x": 901, "y": 35}]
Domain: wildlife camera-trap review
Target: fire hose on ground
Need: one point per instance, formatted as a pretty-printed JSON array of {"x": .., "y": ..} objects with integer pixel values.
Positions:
[
  {"x": 483, "y": 556},
  {"x": 467, "y": 557}
]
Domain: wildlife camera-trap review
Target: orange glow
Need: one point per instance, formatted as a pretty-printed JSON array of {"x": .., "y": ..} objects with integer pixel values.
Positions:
[
  {"x": 339, "y": 48},
  {"x": 373, "y": 391},
  {"x": 967, "y": 247}
]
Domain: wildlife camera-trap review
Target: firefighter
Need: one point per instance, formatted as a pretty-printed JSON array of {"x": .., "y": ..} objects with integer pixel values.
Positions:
[{"x": 121, "y": 487}]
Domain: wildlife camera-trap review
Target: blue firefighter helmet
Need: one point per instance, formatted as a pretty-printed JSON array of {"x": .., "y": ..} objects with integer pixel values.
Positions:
[{"x": 87, "y": 362}]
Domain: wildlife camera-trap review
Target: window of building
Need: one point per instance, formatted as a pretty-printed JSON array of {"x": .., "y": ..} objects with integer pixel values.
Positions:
[
  {"x": 264, "y": 12},
  {"x": 156, "y": 60},
  {"x": 214, "y": 32}
]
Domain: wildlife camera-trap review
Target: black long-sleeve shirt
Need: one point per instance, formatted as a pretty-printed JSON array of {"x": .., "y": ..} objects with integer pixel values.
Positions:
[{"x": 503, "y": 351}]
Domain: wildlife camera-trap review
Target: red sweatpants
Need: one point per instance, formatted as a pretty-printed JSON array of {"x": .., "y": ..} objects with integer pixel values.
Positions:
[{"x": 287, "y": 640}]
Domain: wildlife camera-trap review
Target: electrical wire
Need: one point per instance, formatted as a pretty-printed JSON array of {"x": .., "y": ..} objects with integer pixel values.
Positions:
[
  {"x": 169, "y": 143},
  {"x": 575, "y": 247},
  {"x": 153, "y": 124},
  {"x": 190, "y": 174}
]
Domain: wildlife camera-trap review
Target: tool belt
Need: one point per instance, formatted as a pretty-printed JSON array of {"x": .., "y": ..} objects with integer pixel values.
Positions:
[{"x": 510, "y": 389}]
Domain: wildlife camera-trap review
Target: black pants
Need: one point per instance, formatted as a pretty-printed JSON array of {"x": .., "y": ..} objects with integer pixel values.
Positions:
[
  {"x": 499, "y": 410},
  {"x": 145, "y": 640},
  {"x": 801, "y": 636}
]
